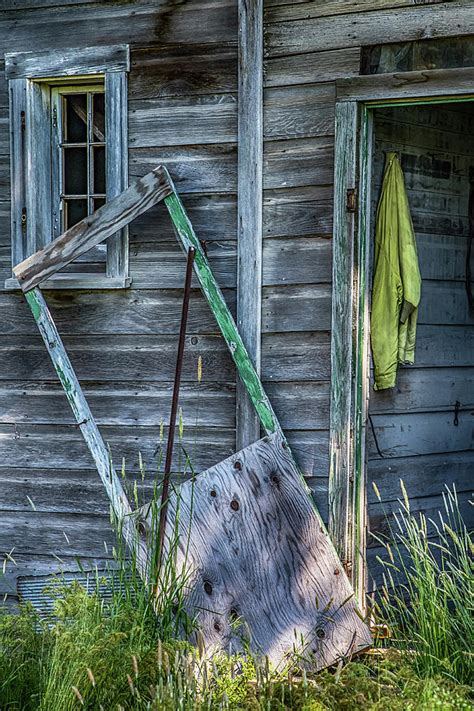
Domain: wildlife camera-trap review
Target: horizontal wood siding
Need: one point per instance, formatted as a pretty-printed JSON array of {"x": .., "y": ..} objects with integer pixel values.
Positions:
[
  {"x": 182, "y": 112},
  {"x": 309, "y": 46}
]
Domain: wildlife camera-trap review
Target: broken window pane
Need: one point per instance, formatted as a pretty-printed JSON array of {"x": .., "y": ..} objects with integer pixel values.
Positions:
[
  {"x": 74, "y": 211},
  {"x": 99, "y": 170},
  {"x": 75, "y": 171},
  {"x": 75, "y": 125},
  {"x": 98, "y": 117},
  {"x": 443, "y": 53}
]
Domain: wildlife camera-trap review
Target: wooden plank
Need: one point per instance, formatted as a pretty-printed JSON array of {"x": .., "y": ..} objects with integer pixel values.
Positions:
[
  {"x": 94, "y": 229},
  {"x": 298, "y": 211},
  {"x": 195, "y": 169},
  {"x": 5, "y": 223},
  {"x": 18, "y": 169},
  {"x": 9, "y": 5},
  {"x": 130, "y": 312},
  {"x": 161, "y": 267},
  {"x": 182, "y": 121},
  {"x": 54, "y": 63},
  {"x": 361, "y": 309},
  {"x": 301, "y": 405},
  {"x": 93, "y": 278},
  {"x": 3, "y": 85},
  {"x": 284, "y": 11},
  {"x": 447, "y": 346},
  {"x": 425, "y": 389},
  {"x": 340, "y": 523},
  {"x": 312, "y": 66},
  {"x": 262, "y": 498},
  {"x": 4, "y": 134},
  {"x": 63, "y": 447},
  {"x": 296, "y": 308},
  {"x": 37, "y": 163},
  {"x": 299, "y": 112},
  {"x": 433, "y": 82},
  {"x": 377, "y": 26},
  {"x": 298, "y": 162},
  {"x": 23, "y": 444},
  {"x": 4, "y": 180},
  {"x": 62, "y": 491},
  {"x": 413, "y": 434},
  {"x": 226, "y": 323},
  {"x": 143, "y": 404},
  {"x": 308, "y": 308},
  {"x": 85, "y": 420},
  {"x": 62, "y": 534},
  {"x": 106, "y": 358},
  {"x": 296, "y": 356},
  {"x": 302, "y": 260},
  {"x": 382, "y": 516},
  {"x": 116, "y": 179},
  {"x": 183, "y": 70},
  {"x": 444, "y": 302},
  {"x": 249, "y": 206},
  {"x": 214, "y": 217},
  {"x": 311, "y": 453},
  {"x": 428, "y": 474},
  {"x": 146, "y": 24}
]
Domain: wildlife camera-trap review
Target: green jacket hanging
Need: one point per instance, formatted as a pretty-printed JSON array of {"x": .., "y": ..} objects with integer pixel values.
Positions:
[{"x": 397, "y": 281}]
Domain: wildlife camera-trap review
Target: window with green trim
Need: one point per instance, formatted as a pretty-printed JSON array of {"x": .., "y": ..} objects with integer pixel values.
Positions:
[{"x": 68, "y": 120}]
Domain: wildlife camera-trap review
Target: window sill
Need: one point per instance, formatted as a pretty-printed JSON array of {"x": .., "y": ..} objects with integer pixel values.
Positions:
[{"x": 76, "y": 281}]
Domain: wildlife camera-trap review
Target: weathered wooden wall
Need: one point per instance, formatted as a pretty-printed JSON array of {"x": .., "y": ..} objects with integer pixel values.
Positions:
[
  {"x": 183, "y": 112},
  {"x": 308, "y": 45},
  {"x": 414, "y": 423}
]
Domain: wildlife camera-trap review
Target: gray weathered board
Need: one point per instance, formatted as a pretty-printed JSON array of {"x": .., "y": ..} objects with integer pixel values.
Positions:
[{"x": 259, "y": 564}]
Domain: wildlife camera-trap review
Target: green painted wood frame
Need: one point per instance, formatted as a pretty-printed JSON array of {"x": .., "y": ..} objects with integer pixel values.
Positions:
[{"x": 356, "y": 99}]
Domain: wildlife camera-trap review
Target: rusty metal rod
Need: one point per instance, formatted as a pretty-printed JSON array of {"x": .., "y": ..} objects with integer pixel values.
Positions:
[{"x": 174, "y": 404}]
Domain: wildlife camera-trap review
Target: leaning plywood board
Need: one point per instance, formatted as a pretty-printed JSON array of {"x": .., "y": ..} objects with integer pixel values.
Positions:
[{"x": 261, "y": 566}]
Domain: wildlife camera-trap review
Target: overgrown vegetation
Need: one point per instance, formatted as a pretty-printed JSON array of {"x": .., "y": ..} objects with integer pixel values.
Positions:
[
  {"x": 120, "y": 654},
  {"x": 428, "y": 593}
]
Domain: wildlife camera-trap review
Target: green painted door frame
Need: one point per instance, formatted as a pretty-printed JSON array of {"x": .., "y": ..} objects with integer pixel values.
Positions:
[{"x": 356, "y": 100}]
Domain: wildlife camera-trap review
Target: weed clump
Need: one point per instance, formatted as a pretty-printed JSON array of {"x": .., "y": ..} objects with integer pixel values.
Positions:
[{"x": 427, "y": 598}]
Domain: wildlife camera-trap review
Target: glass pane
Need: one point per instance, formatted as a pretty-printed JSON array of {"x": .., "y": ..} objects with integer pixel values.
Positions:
[
  {"x": 98, "y": 118},
  {"x": 443, "y": 53},
  {"x": 99, "y": 170},
  {"x": 74, "y": 211},
  {"x": 75, "y": 129},
  {"x": 98, "y": 202},
  {"x": 75, "y": 171}
]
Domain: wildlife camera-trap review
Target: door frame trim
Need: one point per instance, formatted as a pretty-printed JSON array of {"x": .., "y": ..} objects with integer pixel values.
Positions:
[{"x": 356, "y": 99}]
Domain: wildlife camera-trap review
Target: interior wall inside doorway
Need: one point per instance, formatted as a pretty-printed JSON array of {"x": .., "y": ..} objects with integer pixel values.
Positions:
[{"x": 421, "y": 431}]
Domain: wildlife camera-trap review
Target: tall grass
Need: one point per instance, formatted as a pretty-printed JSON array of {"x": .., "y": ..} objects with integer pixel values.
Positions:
[
  {"x": 131, "y": 650},
  {"x": 427, "y": 597}
]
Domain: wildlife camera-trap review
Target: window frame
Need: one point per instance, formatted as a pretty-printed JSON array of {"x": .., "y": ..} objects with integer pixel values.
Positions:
[
  {"x": 32, "y": 78},
  {"x": 57, "y": 140}
]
